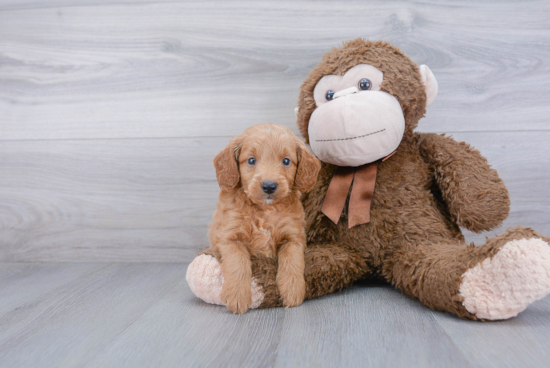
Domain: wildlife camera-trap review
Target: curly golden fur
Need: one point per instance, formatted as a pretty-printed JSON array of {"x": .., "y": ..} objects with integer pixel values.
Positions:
[{"x": 250, "y": 221}]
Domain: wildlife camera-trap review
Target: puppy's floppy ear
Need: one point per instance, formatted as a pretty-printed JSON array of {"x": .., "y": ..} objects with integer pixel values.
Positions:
[
  {"x": 308, "y": 168},
  {"x": 227, "y": 168}
]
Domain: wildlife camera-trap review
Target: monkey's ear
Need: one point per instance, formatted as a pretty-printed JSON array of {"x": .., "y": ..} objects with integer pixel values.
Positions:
[
  {"x": 308, "y": 168},
  {"x": 430, "y": 83},
  {"x": 227, "y": 169}
]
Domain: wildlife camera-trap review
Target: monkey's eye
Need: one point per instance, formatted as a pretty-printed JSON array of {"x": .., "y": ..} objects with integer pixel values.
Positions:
[
  {"x": 286, "y": 161},
  {"x": 330, "y": 95},
  {"x": 251, "y": 161},
  {"x": 364, "y": 84}
]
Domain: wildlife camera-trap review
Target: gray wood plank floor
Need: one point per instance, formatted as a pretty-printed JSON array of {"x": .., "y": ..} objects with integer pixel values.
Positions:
[{"x": 144, "y": 315}]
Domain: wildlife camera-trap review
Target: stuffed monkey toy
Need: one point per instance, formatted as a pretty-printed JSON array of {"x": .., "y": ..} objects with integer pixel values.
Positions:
[{"x": 389, "y": 202}]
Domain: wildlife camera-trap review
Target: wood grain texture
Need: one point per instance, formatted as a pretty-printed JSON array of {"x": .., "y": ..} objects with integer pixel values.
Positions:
[
  {"x": 151, "y": 199},
  {"x": 200, "y": 68},
  {"x": 111, "y": 111},
  {"x": 127, "y": 200},
  {"x": 144, "y": 315},
  {"x": 511, "y": 343}
]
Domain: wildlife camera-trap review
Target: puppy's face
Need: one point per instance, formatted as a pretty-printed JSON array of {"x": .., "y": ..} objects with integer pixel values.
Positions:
[
  {"x": 268, "y": 161},
  {"x": 267, "y": 164}
]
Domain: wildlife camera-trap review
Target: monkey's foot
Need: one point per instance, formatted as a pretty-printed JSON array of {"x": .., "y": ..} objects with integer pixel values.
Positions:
[
  {"x": 504, "y": 285},
  {"x": 204, "y": 276}
]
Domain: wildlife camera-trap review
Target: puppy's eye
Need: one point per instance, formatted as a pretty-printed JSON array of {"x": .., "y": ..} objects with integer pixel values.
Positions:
[
  {"x": 286, "y": 161},
  {"x": 330, "y": 95},
  {"x": 251, "y": 161},
  {"x": 364, "y": 84}
]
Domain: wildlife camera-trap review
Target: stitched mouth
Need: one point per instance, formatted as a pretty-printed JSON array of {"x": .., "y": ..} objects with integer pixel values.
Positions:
[{"x": 347, "y": 139}]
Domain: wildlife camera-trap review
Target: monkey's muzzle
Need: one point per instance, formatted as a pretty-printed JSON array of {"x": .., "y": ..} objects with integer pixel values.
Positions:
[{"x": 356, "y": 128}]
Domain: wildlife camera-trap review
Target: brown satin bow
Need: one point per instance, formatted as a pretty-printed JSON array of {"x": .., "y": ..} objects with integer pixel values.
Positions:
[{"x": 362, "y": 192}]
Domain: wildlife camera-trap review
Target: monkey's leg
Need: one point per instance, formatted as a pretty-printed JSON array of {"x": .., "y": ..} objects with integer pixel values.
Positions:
[
  {"x": 332, "y": 267},
  {"x": 491, "y": 282},
  {"x": 205, "y": 278},
  {"x": 328, "y": 268}
]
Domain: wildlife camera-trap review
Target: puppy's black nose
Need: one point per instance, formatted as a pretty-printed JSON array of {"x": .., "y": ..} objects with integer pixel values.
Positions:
[{"x": 269, "y": 187}]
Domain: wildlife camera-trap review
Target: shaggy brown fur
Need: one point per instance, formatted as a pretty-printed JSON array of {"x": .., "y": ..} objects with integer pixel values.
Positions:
[
  {"x": 424, "y": 192},
  {"x": 252, "y": 222}
]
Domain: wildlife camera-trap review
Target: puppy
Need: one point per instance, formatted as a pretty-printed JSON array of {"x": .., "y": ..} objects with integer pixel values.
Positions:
[{"x": 262, "y": 174}]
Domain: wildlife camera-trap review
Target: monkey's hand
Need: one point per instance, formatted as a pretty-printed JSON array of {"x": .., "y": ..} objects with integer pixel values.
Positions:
[{"x": 476, "y": 197}]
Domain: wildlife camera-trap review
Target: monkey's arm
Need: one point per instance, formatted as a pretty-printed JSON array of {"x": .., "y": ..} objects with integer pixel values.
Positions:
[{"x": 476, "y": 197}]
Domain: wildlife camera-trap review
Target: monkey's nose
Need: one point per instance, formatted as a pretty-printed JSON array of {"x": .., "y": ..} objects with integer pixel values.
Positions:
[
  {"x": 269, "y": 187},
  {"x": 344, "y": 92}
]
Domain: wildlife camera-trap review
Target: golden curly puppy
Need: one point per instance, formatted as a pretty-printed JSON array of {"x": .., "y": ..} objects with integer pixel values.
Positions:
[{"x": 262, "y": 174}]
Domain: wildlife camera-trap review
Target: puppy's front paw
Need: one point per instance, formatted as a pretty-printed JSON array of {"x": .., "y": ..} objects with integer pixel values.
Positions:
[
  {"x": 205, "y": 279},
  {"x": 237, "y": 299},
  {"x": 292, "y": 290}
]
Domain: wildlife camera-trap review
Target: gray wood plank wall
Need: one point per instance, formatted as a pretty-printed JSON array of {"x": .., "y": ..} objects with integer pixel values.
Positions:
[{"x": 111, "y": 111}]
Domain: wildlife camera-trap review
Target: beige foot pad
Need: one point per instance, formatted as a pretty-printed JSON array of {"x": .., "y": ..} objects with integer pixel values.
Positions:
[
  {"x": 204, "y": 276},
  {"x": 502, "y": 286}
]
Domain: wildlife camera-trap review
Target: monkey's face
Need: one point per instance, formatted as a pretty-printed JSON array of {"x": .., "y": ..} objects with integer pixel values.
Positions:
[
  {"x": 361, "y": 101},
  {"x": 355, "y": 123}
]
